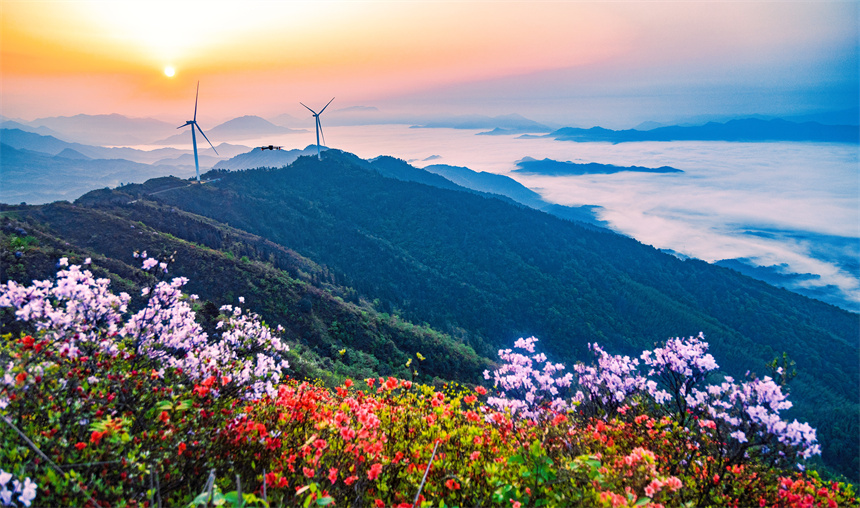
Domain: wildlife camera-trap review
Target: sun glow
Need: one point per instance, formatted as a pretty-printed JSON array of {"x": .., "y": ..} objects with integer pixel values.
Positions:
[{"x": 169, "y": 71}]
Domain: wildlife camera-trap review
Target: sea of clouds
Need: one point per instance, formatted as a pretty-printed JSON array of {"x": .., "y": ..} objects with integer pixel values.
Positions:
[{"x": 791, "y": 206}]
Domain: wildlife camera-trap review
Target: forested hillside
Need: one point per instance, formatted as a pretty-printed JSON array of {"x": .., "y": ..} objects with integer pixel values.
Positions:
[
  {"x": 489, "y": 271},
  {"x": 333, "y": 336}
]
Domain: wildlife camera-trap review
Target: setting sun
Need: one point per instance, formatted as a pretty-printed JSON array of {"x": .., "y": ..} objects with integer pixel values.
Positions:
[{"x": 169, "y": 71}]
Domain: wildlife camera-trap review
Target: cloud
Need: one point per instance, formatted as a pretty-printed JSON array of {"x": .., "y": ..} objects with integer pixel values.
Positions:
[{"x": 774, "y": 203}]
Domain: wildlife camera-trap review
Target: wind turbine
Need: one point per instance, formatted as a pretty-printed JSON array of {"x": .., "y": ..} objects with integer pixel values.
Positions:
[
  {"x": 319, "y": 127},
  {"x": 193, "y": 124}
]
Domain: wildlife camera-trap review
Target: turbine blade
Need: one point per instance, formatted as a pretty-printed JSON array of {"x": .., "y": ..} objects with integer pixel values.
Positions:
[
  {"x": 323, "y": 109},
  {"x": 195, "y": 101},
  {"x": 204, "y": 136},
  {"x": 322, "y": 134},
  {"x": 309, "y": 109}
]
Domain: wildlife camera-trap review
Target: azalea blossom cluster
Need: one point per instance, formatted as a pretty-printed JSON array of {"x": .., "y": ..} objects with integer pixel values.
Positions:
[
  {"x": 79, "y": 315},
  {"x": 526, "y": 389},
  {"x": 611, "y": 382},
  {"x": 746, "y": 414},
  {"x": 77, "y": 311},
  {"x": 25, "y": 491}
]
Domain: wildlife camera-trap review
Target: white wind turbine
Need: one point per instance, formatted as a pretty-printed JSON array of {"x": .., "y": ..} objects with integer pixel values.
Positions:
[
  {"x": 193, "y": 124},
  {"x": 319, "y": 127}
]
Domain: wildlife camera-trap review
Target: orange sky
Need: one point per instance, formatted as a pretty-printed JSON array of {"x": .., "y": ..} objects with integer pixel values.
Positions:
[{"x": 69, "y": 57}]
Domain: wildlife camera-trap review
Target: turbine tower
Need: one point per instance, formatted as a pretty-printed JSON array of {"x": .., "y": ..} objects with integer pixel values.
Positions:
[
  {"x": 193, "y": 124},
  {"x": 319, "y": 127}
]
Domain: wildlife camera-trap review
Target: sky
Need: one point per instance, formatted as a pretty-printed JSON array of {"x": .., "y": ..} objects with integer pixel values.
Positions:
[{"x": 613, "y": 64}]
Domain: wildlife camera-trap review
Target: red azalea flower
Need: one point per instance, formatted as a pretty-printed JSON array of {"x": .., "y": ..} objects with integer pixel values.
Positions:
[
  {"x": 481, "y": 390},
  {"x": 451, "y": 484},
  {"x": 332, "y": 475},
  {"x": 350, "y": 480},
  {"x": 374, "y": 472},
  {"x": 379, "y": 503},
  {"x": 308, "y": 472},
  {"x": 164, "y": 417},
  {"x": 181, "y": 448},
  {"x": 80, "y": 446},
  {"x": 96, "y": 436},
  {"x": 468, "y": 399}
]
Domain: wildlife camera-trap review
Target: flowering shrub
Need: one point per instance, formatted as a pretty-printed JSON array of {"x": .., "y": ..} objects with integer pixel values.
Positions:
[
  {"x": 24, "y": 491},
  {"x": 101, "y": 406},
  {"x": 528, "y": 390},
  {"x": 98, "y": 385}
]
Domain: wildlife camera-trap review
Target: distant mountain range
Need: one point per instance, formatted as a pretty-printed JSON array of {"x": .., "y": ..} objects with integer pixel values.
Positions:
[
  {"x": 18, "y": 138},
  {"x": 750, "y": 129},
  {"x": 502, "y": 185},
  {"x": 41, "y": 169},
  {"x": 258, "y": 158},
  {"x": 104, "y": 130},
  {"x": 549, "y": 167},
  {"x": 38, "y": 177},
  {"x": 504, "y": 124},
  {"x": 244, "y": 127}
]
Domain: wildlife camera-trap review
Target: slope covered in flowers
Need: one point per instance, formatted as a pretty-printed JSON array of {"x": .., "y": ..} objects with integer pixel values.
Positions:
[{"x": 104, "y": 406}]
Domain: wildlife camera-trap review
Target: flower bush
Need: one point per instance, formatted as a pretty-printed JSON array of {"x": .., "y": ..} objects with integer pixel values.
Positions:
[{"x": 104, "y": 406}]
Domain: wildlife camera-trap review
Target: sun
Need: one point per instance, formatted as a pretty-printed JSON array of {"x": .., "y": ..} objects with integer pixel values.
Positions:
[{"x": 169, "y": 71}]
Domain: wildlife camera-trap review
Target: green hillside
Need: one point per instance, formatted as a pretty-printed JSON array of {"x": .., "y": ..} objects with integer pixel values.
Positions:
[
  {"x": 334, "y": 334},
  {"x": 477, "y": 268}
]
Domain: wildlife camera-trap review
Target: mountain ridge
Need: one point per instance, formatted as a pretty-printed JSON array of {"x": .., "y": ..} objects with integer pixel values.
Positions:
[{"x": 747, "y": 129}]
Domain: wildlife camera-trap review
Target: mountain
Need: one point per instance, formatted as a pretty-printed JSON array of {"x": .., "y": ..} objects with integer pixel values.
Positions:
[
  {"x": 332, "y": 333},
  {"x": 549, "y": 167},
  {"x": 780, "y": 276},
  {"x": 506, "y": 186},
  {"x": 187, "y": 159},
  {"x": 257, "y": 158},
  {"x": 244, "y": 127},
  {"x": 114, "y": 129},
  {"x": 483, "y": 270},
  {"x": 509, "y": 123},
  {"x": 68, "y": 153},
  {"x": 44, "y": 131},
  {"x": 20, "y": 139},
  {"x": 40, "y": 169},
  {"x": 34, "y": 177},
  {"x": 488, "y": 270},
  {"x": 287, "y": 120},
  {"x": 749, "y": 129}
]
